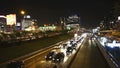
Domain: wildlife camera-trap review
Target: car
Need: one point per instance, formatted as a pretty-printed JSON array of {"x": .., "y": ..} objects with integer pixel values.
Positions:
[
  {"x": 59, "y": 57},
  {"x": 71, "y": 42},
  {"x": 65, "y": 45},
  {"x": 50, "y": 55},
  {"x": 15, "y": 64},
  {"x": 69, "y": 50},
  {"x": 74, "y": 46}
]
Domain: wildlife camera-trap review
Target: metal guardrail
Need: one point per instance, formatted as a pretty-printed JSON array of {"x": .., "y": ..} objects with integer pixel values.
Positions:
[{"x": 114, "y": 60}]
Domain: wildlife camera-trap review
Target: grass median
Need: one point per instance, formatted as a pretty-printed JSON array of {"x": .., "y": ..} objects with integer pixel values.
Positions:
[{"x": 8, "y": 53}]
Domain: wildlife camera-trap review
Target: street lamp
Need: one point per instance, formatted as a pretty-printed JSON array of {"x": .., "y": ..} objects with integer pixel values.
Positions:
[{"x": 22, "y": 12}]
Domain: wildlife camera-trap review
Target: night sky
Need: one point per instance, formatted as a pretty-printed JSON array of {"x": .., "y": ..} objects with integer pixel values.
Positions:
[{"x": 91, "y": 12}]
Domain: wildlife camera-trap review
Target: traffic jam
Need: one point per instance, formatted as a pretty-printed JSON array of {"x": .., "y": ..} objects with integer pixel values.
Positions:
[
  {"x": 59, "y": 55},
  {"x": 65, "y": 51}
]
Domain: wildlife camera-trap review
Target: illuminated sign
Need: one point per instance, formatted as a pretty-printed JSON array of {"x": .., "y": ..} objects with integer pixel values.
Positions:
[
  {"x": 11, "y": 19},
  {"x": 2, "y": 16}
]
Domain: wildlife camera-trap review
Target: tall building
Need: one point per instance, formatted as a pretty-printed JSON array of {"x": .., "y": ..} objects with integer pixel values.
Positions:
[
  {"x": 28, "y": 23},
  {"x": 73, "y": 19},
  {"x": 11, "y": 22},
  {"x": 2, "y": 23}
]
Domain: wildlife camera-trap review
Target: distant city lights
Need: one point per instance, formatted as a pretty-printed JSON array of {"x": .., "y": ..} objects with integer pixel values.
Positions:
[
  {"x": 47, "y": 28},
  {"x": 118, "y": 17},
  {"x": 27, "y": 16}
]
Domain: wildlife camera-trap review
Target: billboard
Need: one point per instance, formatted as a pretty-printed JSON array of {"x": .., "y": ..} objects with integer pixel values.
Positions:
[{"x": 11, "y": 19}]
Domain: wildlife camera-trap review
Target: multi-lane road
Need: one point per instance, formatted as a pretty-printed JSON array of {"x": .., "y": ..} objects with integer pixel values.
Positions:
[
  {"x": 38, "y": 60},
  {"x": 87, "y": 55}
]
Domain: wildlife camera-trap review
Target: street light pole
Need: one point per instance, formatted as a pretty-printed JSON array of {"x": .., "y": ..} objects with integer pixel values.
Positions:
[{"x": 22, "y": 12}]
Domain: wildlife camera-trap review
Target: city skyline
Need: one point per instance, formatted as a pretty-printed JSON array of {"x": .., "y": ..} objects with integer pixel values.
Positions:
[{"x": 90, "y": 12}]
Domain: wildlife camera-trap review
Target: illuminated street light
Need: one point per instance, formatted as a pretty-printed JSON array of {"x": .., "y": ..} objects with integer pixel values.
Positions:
[{"x": 22, "y": 12}]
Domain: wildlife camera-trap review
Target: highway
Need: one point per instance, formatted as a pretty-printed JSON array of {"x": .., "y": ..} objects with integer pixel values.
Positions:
[
  {"x": 86, "y": 55},
  {"x": 38, "y": 60},
  {"x": 89, "y": 56}
]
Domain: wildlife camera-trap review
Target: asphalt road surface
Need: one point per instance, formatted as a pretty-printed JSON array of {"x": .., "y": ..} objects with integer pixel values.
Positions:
[{"x": 89, "y": 56}]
